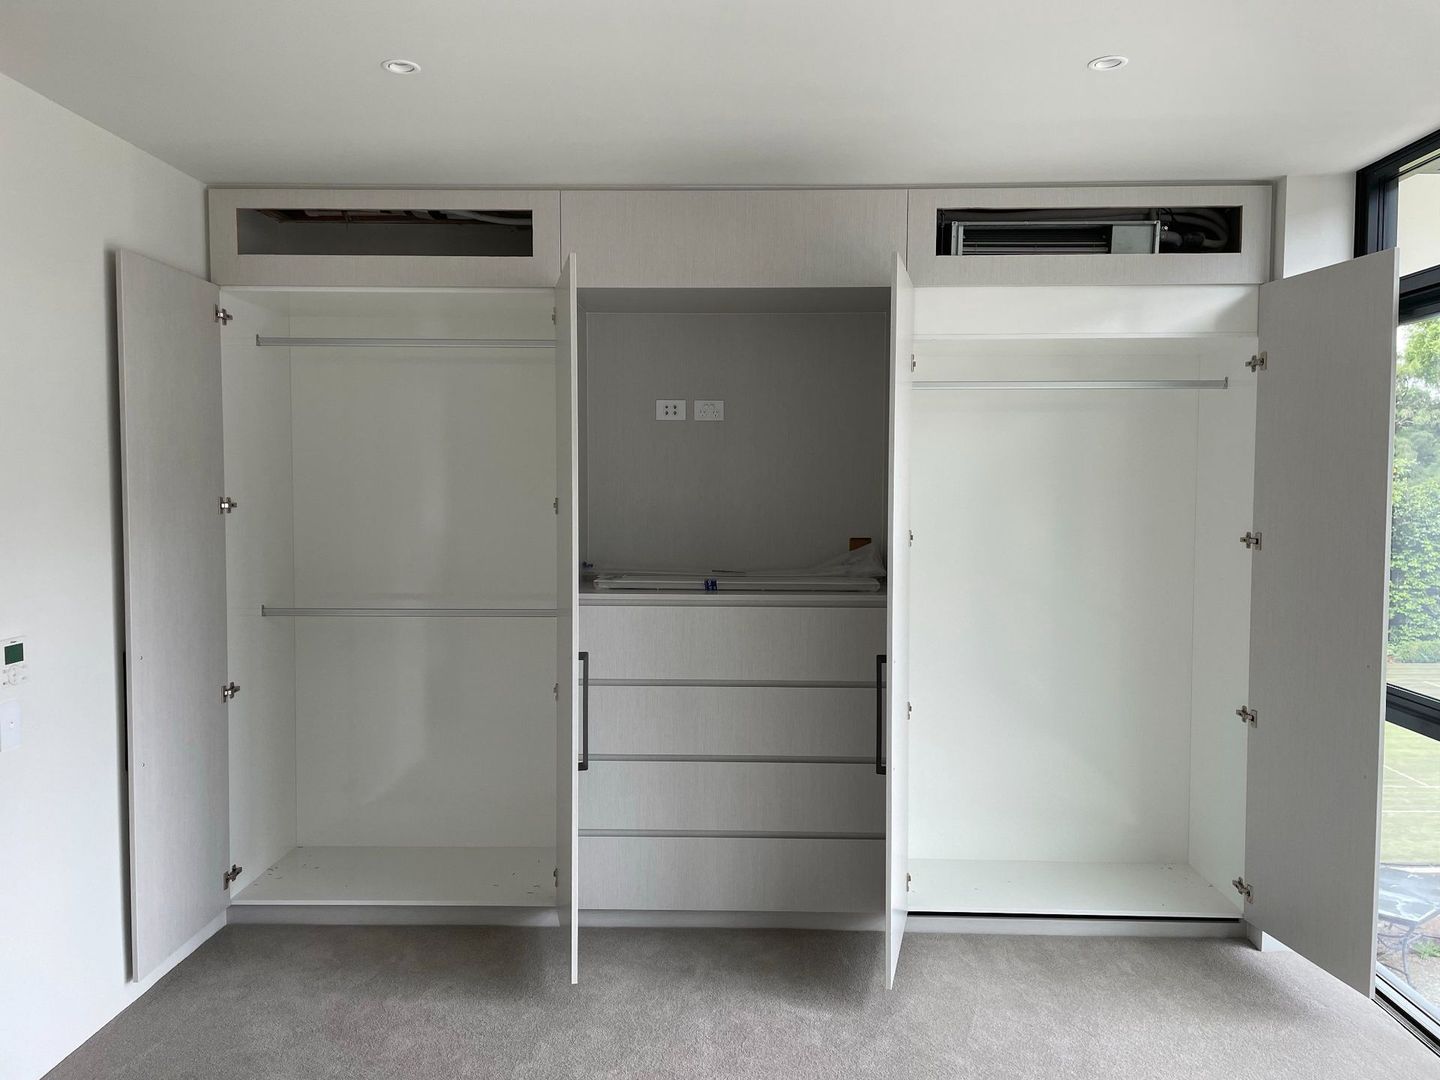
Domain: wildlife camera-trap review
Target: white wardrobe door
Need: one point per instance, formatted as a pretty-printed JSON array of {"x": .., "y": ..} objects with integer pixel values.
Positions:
[
  {"x": 172, "y": 474},
  {"x": 1318, "y": 610},
  {"x": 567, "y": 602},
  {"x": 896, "y": 698}
]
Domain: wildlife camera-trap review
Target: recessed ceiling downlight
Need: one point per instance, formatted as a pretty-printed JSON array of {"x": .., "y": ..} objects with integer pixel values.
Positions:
[
  {"x": 401, "y": 67},
  {"x": 1108, "y": 63}
]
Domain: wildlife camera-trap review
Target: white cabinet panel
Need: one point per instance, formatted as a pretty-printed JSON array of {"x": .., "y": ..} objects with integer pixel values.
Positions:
[
  {"x": 172, "y": 477},
  {"x": 733, "y": 797},
  {"x": 897, "y": 622},
  {"x": 567, "y": 605},
  {"x": 732, "y": 721},
  {"x": 1250, "y": 265},
  {"x": 668, "y": 873},
  {"x": 229, "y": 267},
  {"x": 740, "y": 239},
  {"x": 1318, "y": 610}
]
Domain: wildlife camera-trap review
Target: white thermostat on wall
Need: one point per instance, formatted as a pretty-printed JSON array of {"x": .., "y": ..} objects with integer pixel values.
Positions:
[{"x": 12, "y": 661}]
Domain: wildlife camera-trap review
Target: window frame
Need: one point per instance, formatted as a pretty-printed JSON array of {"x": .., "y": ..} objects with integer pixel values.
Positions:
[{"x": 1377, "y": 208}]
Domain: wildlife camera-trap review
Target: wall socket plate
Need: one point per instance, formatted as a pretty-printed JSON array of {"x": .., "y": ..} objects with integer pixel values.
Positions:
[
  {"x": 669, "y": 408},
  {"x": 709, "y": 409}
]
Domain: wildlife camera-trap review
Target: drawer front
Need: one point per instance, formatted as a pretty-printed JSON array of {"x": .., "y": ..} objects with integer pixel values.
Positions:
[
  {"x": 728, "y": 796},
  {"x": 732, "y": 721},
  {"x": 737, "y": 643},
  {"x": 663, "y": 873}
]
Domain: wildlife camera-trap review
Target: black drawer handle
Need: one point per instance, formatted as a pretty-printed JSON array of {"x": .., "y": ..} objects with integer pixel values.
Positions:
[
  {"x": 880, "y": 714},
  {"x": 584, "y": 712}
]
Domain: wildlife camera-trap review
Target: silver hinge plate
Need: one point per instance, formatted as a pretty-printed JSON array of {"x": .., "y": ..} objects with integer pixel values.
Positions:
[
  {"x": 907, "y": 882},
  {"x": 912, "y": 361},
  {"x": 1259, "y": 362},
  {"x": 555, "y": 504},
  {"x": 1246, "y": 714},
  {"x": 912, "y": 537},
  {"x": 557, "y": 877},
  {"x": 556, "y": 691},
  {"x": 1244, "y": 889},
  {"x": 229, "y": 690},
  {"x": 229, "y": 877},
  {"x": 227, "y": 504},
  {"x": 1251, "y": 540},
  {"x": 222, "y": 316}
]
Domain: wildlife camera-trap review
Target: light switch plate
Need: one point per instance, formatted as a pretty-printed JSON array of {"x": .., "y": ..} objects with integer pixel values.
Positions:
[
  {"x": 669, "y": 408},
  {"x": 709, "y": 409}
]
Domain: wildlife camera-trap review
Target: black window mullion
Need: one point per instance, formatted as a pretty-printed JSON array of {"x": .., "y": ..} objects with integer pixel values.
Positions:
[{"x": 1414, "y": 712}]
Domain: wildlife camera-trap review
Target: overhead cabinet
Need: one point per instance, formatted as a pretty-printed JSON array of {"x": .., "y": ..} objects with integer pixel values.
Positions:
[{"x": 735, "y": 238}]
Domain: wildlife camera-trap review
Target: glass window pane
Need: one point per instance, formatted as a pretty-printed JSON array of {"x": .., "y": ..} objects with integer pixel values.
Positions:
[
  {"x": 1408, "y": 934},
  {"x": 1417, "y": 228},
  {"x": 1414, "y": 641}
]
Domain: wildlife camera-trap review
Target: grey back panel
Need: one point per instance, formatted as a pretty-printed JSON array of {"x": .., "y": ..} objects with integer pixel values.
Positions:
[
  {"x": 172, "y": 473},
  {"x": 1318, "y": 611}
]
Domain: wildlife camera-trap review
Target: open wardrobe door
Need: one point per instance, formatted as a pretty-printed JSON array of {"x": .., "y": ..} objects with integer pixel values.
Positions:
[
  {"x": 172, "y": 474},
  {"x": 894, "y": 672},
  {"x": 567, "y": 622},
  {"x": 1320, "y": 543}
]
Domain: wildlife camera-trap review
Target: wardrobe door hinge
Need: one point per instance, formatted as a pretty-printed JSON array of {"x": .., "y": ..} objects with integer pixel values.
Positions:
[
  {"x": 907, "y": 882},
  {"x": 912, "y": 361},
  {"x": 222, "y": 316},
  {"x": 553, "y": 318},
  {"x": 1246, "y": 714},
  {"x": 555, "y": 504},
  {"x": 912, "y": 537},
  {"x": 1251, "y": 540},
  {"x": 1244, "y": 888},
  {"x": 229, "y": 877},
  {"x": 557, "y": 877},
  {"x": 227, "y": 504},
  {"x": 228, "y": 692},
  {"x": 1259, "y": 362},
  {"x": 556, "y": 691}
]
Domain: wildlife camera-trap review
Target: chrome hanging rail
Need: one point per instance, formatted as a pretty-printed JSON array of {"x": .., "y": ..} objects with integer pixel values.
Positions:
[
  {"x": 411, "y": 612},
  {"x": 405, "y": 343},
  {"x": 1075, "y": 384}
]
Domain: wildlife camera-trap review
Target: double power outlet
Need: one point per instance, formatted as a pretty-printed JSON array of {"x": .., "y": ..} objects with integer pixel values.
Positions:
[{"x": 675, "y": 409}]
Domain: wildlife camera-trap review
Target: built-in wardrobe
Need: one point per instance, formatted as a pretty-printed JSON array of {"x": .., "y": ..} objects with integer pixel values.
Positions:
[{"x": 669, "y": 557}]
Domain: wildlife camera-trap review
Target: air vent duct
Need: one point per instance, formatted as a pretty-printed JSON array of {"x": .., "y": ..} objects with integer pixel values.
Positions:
[{"x": 1091, "y": 231}]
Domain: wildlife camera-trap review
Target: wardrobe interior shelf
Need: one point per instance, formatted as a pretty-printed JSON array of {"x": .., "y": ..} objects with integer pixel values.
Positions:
[
  {"x": 591, "y": 596},
  {"x": 1130, "y": 890},
  {"x": 422, "y": 876},
  {"x": 411, "y": 612}
]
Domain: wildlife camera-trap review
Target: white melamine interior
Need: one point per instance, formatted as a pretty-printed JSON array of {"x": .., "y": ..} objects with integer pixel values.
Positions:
[
  {"x": 795, "y": 469},
  {"x": 260, "y": 569},
  {"x": 1079, "y": 611},
  {"x": 393, "y": 477}
]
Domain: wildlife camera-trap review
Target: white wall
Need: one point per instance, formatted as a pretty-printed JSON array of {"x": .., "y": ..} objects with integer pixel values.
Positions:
[
  {"x": 73, "y": 195},
  {"x": 1314, "y": 222}
]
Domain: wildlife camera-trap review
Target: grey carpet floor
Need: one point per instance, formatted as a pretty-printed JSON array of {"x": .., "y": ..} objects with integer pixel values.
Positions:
[{"x": 433, "y": 1003}]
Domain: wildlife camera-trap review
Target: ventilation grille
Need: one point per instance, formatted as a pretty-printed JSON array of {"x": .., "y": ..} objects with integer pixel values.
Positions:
[{"x": 1089, "y": 231}]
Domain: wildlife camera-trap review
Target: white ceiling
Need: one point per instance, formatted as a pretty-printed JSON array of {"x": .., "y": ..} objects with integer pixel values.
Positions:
[{"x": 543, "y": 92}]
